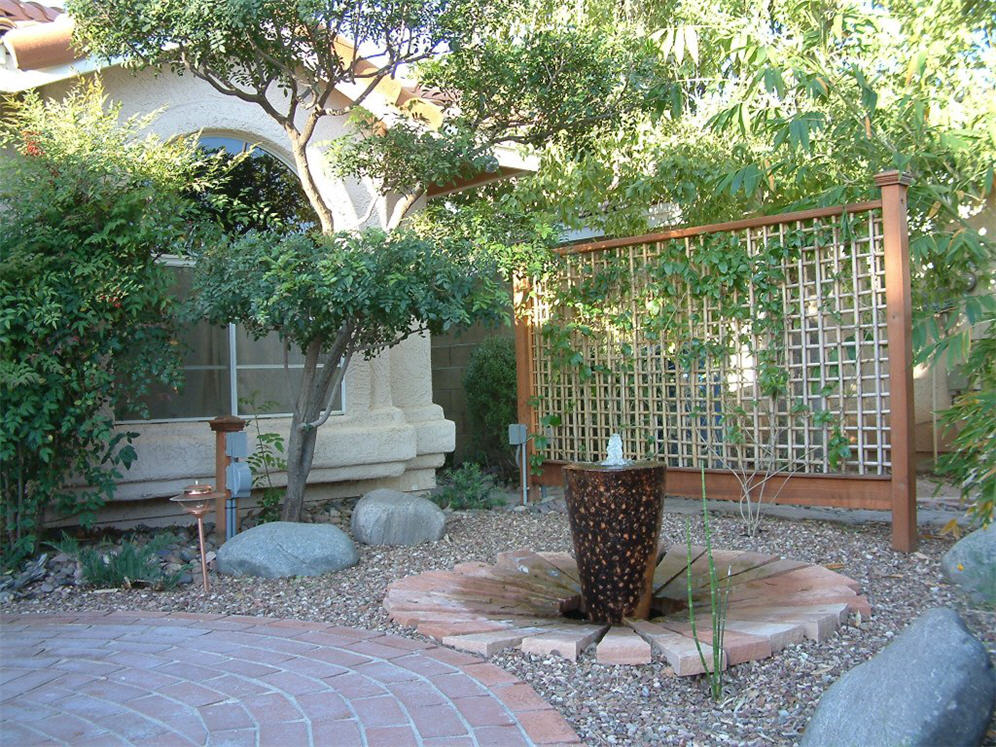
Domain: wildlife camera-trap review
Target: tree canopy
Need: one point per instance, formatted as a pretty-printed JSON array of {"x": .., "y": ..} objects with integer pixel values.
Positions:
[{"x": 500, "y": 81}]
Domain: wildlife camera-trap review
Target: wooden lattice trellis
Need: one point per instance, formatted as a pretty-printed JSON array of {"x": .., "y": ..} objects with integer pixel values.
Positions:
[{"x": 843, "y": 341}]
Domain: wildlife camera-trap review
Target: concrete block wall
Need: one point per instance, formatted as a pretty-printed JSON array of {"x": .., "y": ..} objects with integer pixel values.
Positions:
[{"x": 450, "y": 356}]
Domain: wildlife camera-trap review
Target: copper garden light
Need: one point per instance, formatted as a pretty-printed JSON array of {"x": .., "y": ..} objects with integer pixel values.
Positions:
[{"x": 196, "y": 500}]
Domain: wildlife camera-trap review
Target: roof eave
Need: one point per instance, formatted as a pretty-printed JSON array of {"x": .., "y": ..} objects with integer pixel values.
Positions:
[{"x": 18, "y": 81}]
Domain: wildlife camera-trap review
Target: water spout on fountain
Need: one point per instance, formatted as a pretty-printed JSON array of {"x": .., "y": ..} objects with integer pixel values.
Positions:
[{"x": 614, "y": 457}]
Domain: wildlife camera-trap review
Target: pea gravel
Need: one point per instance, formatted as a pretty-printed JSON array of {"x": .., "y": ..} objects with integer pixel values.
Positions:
[{"x": 765, "y": 702}]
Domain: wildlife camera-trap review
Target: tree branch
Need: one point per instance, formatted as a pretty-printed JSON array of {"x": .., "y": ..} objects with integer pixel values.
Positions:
[
  {"x": 340, "y": 373},
  {"x": 403, "y": 207},
  {"x": 230, "y": 89}
]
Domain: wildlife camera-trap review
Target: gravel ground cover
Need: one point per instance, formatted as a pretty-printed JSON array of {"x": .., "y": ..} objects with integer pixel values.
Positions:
[{"x": 765, "y": 702}]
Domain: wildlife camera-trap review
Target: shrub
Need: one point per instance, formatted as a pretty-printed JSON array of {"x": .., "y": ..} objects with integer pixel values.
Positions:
[
  {"x": 267, "y": 458},
  {"x": 131, "y": 565},
  {"x": 86, "y": 317},
  {"x": 490, "y": 386},
  {"x": 466, "y": 487},
  {"x": 970, "y": 420}
]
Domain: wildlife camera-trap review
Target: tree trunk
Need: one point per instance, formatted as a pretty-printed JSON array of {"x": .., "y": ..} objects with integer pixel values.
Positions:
[
  {"x": 316, "y": 385},
  {"x": 311, "y": 191},
  {"x": 301, "y": 442},
  {"x": 300, "y": 453}
]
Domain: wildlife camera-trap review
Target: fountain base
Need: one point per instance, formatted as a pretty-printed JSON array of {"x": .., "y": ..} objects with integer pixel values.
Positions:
[{"x": 531, "y": 601}]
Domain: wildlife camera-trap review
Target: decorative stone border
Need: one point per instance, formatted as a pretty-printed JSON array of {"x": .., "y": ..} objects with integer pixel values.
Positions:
[{"x": 531, "y": 601}]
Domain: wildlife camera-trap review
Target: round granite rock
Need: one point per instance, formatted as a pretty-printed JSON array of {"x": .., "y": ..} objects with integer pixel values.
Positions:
[
  {"x": 284, "y": 548},
  {"x": 389, "y": 517},
  {"x": 971, "y": 564}
]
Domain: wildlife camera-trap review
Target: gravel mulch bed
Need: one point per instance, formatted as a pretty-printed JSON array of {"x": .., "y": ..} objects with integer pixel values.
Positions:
[{"x": 766, "y": 702}]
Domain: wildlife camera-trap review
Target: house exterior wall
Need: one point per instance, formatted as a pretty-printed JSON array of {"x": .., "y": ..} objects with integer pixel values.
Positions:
[{"x": 390, "y": 433}]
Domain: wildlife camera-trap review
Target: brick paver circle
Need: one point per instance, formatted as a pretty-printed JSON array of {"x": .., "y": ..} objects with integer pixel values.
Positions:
[{"x": 155, "y": 678}]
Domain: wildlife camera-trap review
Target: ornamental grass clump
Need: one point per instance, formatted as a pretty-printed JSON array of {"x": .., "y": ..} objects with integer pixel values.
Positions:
[{"x": 719, "y": 592}]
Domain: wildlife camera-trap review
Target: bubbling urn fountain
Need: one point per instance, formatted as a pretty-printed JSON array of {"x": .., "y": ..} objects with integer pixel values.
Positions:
[
  {"x": 615, "y": 509},
  {"x": 634, "y": 593}
]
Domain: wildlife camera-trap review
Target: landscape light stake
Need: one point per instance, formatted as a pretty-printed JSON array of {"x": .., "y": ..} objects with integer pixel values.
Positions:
[{"x": 196, "y": 500}]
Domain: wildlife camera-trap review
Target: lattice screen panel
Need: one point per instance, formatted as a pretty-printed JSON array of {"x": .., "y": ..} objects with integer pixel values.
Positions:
[{"x": 616, "y": 373}]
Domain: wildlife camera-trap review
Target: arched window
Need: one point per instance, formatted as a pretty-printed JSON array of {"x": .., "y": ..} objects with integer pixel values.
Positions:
[
  {"x": 225, "y": 370},
  {"x": 262, "y": 191}
]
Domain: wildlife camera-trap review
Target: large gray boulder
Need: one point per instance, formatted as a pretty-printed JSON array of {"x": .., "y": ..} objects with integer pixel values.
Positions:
[
  {"x": 933, "y": 685},
  {"x": 284, "y": 548},
  {"x": 971, "y": 564},
  {"x": 389, "y": 517}
]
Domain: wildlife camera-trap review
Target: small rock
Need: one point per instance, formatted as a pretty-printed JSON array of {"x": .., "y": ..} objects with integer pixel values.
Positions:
[
  {"x": 389, "y": 517},
  {"x": 34, "y": 571},
  {"x": 971, "y": 564}
]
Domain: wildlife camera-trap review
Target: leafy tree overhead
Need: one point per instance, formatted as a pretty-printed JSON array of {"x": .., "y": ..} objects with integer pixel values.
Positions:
[
  {"x": 794, "y": 104},
  {"x": 86, "y": 318},
  {"x": 334, "y": 294}
]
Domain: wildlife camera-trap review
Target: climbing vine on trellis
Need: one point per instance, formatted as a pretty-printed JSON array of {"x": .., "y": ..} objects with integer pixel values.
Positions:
[{"x": 747, "y": 350}]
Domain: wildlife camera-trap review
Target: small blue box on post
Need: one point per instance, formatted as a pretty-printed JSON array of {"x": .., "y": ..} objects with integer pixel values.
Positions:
[
  {"x": 237, "y": 445},
  {"x": 238, "y": 478}
]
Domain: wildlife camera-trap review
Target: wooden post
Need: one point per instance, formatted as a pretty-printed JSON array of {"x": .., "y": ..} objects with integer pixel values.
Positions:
[
  {"x": 899, "y": 314},
  {"x": 522, "y": 312},
  {"x": 221, "y": 426}
]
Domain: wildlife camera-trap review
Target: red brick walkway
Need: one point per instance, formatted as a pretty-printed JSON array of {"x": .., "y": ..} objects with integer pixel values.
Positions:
[{"x": 152, "y": 678}]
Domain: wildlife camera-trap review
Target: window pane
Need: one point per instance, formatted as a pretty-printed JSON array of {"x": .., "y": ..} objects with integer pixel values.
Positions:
[
  {"x": 267, "y": 349},
  {"x": 204, "y": 352},
  {"x": 205, "y": 394},
  {"x": 232, "y": 145},
  {"x": 261, "y": 191},
  {"x": 272, "y": 390}
]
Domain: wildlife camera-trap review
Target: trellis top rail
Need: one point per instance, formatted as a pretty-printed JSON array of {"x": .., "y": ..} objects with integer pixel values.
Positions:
[{"x": 735, "y": 225}]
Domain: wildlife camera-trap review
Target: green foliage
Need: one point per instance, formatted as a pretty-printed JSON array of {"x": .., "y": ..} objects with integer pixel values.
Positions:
[
  {"x": 380, "y": 288},
  {"x": 971, "y": 421},
  {"x": 554, "y": 84},
  {"x": 490, "y": 386},
  {"x": 134, "y": 563},
  {"x": 259, "y": 192},
  {"x": 287, "y": 45},
  {"x": 465, "y": 487},
  {"x": 86, "y": 320},
  {"x": 131, "y": 565},
  {"x": 267, "y": 458}
]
